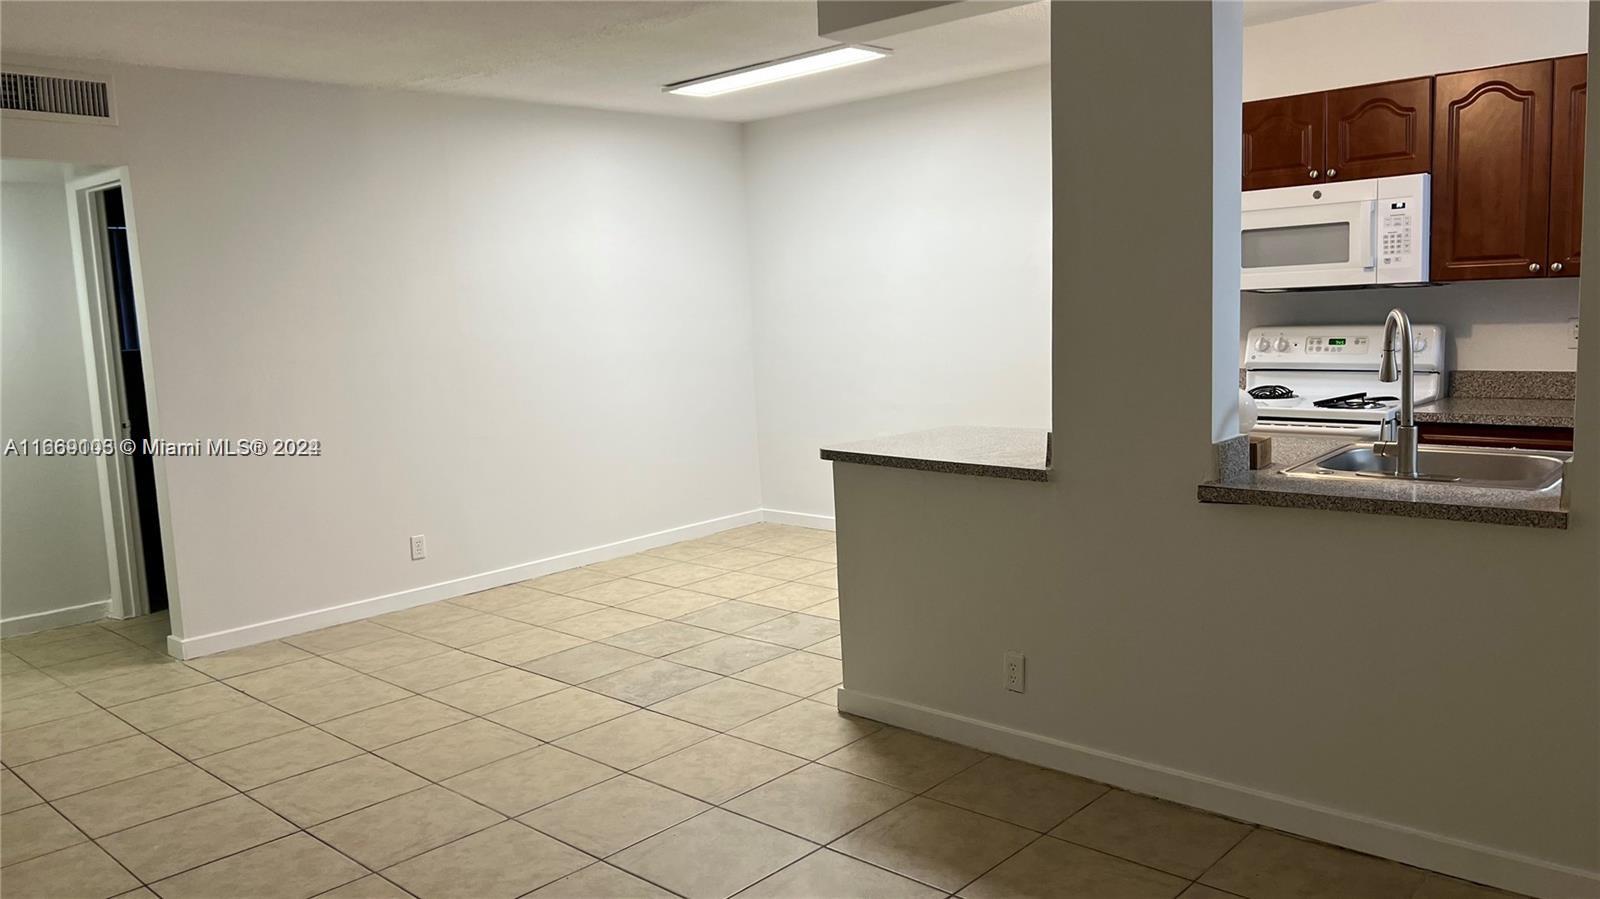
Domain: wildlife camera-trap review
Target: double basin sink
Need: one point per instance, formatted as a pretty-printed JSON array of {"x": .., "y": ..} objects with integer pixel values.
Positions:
[{"x": 1461, "y": 466}]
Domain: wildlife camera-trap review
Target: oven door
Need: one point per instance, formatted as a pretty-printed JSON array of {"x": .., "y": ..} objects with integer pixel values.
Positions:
[
  {"x": 1325, "y": 244},
  {"x": 1342, "y": 430}
]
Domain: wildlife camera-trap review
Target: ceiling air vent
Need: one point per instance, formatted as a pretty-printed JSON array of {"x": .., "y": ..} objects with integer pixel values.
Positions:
[{"x": 55, "y": 95}]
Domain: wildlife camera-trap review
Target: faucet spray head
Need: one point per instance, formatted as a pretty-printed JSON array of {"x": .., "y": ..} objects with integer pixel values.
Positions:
[{"x": 1386, "y": 367}]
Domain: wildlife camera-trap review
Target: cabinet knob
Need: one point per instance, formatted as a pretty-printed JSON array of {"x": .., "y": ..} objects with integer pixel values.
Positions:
[
  {"x": 1555, "y": 267},
  {"x": 1533, "y": 266},
  {"x": 1313, "y": 173},
  {"x": 1331, "y": 172}
]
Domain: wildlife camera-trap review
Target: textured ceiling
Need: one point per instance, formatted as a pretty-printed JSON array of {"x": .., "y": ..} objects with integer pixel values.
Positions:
[{"x": 609, "y": 55}]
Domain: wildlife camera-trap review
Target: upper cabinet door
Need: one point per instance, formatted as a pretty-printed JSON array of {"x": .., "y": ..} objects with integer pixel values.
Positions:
[
  {"x": 1380, "y": 130},
  {"x": 1566, "y": 164},
  {"x": 1491, "y": 173},
  {"x": 1283, "y": 141}
]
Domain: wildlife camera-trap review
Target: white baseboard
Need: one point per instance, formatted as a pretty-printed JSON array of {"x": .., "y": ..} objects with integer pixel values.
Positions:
[
  {"x": 1436, "y": 852},
  {"x": 42, "y": 621},
  {"x": 798, "y": 519},
  {"x": 219, "y": 641}
]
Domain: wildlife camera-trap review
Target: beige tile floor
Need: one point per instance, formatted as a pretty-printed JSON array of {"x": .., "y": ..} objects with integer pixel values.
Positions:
[{"x": 657, "y": 725}]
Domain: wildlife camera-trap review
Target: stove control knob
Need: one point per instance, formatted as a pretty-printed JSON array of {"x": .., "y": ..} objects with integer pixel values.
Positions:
[
  {"x": 1419, "y": 344},
  {"x": 1282, "y": 345},
  {"x": 1263, "y": 344}
]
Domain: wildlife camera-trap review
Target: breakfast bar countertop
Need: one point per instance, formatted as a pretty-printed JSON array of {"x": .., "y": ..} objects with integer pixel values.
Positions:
[{"x": 1016, "y": 453}]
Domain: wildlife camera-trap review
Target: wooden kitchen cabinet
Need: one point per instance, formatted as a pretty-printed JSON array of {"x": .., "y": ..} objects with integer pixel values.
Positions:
[
  {"x": 1504, "y": 146},
  {"x": 1491, "y": 172},
  {"x": 1283, "y": 141},
  {"x": 1496, "y": 436},
  {"x": 1571, "y": 80},
  {"x": 1372, "y": 131},
  {"x": 1379, "y": 130}
]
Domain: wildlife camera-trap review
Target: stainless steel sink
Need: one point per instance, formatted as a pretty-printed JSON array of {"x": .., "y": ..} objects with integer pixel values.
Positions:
[{"x": 1465, "y": 466}]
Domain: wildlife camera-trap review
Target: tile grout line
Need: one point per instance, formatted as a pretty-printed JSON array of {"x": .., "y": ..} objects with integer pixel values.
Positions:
[
  {"x": 364, "y": 750},
  {"x": 804, "y": 761},
  {"x": 266, "y": 702},
  {"x": 1253, "y": 827}
]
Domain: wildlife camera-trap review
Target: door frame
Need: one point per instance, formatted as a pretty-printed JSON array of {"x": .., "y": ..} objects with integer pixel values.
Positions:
[{"x": 129, "y": 596}]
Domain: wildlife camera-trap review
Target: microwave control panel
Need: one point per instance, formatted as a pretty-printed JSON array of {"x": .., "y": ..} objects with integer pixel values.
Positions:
[{"x": 1394, "y": 231}]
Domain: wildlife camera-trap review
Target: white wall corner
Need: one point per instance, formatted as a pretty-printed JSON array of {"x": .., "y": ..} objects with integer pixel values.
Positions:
[
  {"x": 1227, "y": 111},
  {"x": 798, "y": 519}
]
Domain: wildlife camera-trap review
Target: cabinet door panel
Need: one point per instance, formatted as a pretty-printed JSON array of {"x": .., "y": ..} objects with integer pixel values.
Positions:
[
  {"x": 1566, "y": 164},
  {"x": 1491, "y": 172},
  {"x": 1379, "y": 130},
  {"x": 1283, "y": 141}
]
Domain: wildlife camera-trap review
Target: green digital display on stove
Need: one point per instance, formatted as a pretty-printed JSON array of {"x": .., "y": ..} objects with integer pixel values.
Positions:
[{"x": 1336, "y": 341}]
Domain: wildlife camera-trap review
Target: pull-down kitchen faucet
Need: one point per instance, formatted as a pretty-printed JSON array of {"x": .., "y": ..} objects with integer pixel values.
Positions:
[{"x": 1405, "y": 440}]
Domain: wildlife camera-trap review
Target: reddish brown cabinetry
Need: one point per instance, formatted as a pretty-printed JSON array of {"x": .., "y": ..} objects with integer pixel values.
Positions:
[
  {"x": 1379, "y": 130},
  {"x": 1372, "y": 131},
  {"x": 1491, "y": 172},
  {"x": 1283, "y": 140},
  {"x": 1567, "y": 121},
  {"x": 1504, "y": 146},
  {"x": 1508, "y": 171},
  {"x": 1497, "y": 436}
]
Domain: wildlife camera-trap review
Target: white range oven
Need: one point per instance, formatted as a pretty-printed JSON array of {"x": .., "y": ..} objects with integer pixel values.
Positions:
[
  {"x": 1342, "y": 234},
  {"x": 1323, "y": 379}
]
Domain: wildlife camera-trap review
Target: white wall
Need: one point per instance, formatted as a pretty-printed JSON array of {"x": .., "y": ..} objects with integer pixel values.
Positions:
[
  {"x": 1394, "y": 39},
  {"x": 901, "y": 271},
  {"x": 51, "y": 535},
  {"x": 1428, "y": 690},
  {"x": 1493, "y": 325},
  {"x": 1510, "y": 325},
  {"x": 520, "y": 330}
]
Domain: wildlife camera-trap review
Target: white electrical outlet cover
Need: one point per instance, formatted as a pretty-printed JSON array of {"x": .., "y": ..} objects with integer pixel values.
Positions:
[{"x": 1016, "y": 671}]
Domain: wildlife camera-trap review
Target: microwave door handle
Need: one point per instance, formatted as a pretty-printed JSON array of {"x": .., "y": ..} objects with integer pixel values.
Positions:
[{"x": 1366, "y": 232}]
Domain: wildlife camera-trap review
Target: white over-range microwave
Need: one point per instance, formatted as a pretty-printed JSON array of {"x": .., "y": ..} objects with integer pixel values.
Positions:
[{"x": 1342, "y": 234}]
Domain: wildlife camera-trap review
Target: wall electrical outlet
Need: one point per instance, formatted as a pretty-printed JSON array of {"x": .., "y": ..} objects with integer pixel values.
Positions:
[
  {"x": 419, "y": 547},
  {"x": 1016, "y": 672},
  {"x": 1572, "y": 344}
]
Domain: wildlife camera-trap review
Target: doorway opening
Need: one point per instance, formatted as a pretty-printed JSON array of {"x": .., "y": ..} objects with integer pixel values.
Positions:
[
  {"x": 85, "y": 525},
  {"x": 116, "y": 343},
  {"x": 133, "y": 408}
]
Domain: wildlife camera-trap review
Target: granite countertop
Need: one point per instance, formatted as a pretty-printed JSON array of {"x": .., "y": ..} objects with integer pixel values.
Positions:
[
  {"x": 1489, "y": 410},
  {"x": 1271, "y": 487},
  {"x": 1538, "y": 399},
  {"x": 1018, "y": 453}
]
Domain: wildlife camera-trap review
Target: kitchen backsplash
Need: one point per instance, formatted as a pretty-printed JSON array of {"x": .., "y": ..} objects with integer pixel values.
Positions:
[{"x": 1524, "y": 385}]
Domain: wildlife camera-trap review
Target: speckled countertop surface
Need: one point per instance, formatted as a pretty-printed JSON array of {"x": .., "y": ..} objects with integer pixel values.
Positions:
[
  {"x": 1018, "y": 453},
  {"x": 1487, "y": 410},
  {"x": 1270, "y": 487},
  {"x": 1536, "y": 399}
]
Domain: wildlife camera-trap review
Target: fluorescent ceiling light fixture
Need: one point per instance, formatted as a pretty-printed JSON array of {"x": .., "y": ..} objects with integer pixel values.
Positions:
[{"x": 777, "y": 70}]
